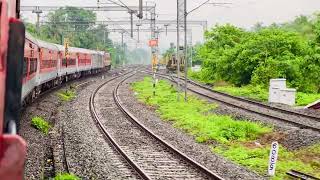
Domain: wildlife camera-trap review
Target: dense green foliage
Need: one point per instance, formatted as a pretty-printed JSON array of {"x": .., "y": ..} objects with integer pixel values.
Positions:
[
  {"x": 245, "y": 57},
  {"x": 235, "y": 139},
  {"x": 40, "y": 124}
]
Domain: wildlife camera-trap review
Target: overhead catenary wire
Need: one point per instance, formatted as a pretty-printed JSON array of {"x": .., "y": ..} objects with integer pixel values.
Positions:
[{"x": 113, "y": 2}]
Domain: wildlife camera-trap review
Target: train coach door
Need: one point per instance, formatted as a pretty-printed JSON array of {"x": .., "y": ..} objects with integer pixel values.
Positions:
[
  {"x": 14, "y": 73},
  {"x": 3, "y": 50},
  {"x": 12, "y": 146}
]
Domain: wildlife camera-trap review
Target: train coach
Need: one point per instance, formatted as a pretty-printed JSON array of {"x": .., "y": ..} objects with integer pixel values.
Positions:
[{"x": 47, "y": 65}]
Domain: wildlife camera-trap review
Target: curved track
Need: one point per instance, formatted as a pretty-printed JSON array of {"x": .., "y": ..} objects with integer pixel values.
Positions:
[
  {"x": 298, "y": 119},
  {"x": 150, "y": 156}
]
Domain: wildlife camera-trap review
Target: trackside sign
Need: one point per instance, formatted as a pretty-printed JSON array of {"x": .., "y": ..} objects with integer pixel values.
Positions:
[{"x": 273, "y": 158}]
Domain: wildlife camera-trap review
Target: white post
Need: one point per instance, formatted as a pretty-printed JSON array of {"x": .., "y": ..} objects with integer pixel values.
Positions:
[{"x": 273, "y": 158}]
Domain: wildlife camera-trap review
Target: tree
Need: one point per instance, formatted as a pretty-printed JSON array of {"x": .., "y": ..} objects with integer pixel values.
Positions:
[{"x": 241, "y": 57}]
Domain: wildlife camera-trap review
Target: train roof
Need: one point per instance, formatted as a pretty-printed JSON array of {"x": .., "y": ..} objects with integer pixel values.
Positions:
[
  {"x": 80, "y": 50},
  {"x": 51, "y": 46},
  {"x": 59, "y": 47},
  {"x": 31, "y": 38}
]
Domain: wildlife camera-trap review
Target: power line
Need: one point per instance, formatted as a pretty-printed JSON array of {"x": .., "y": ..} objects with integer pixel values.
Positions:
[
  {"x": 125, "y": 5},
  {"x": 113, "y": 2}
]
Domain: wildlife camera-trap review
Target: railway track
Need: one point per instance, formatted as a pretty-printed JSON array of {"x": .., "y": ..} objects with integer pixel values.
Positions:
[
  {"x": 145, "y": 152},
  {"x": 83, "y": 82},
  {"x": 301, "y": 175},
  {"x": 294, "y": 118}
]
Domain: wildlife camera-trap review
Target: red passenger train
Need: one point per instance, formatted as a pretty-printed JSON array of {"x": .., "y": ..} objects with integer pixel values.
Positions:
[{"x": 46, "y": 65}]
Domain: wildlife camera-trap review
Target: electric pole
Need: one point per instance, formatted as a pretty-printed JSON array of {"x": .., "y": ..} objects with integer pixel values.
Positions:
[
  {"x": 185, "y": 51},
  {"x": 131, "y": 22},
  {"x": 178, "y": 49},
  {"x": 138, "y": 28},
  {"x": 140, "y": 15},
  {"x": 38, "y": 11}
]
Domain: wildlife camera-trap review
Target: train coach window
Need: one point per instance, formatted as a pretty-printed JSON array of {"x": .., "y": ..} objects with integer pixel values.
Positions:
[
  {"x": 25, "y": 67},
  {"x": 33, "y": 65},
  {"x": 71, "y": 62},
  {"x": 64, "y": 62},
  {"x": 48, "y": 64}
]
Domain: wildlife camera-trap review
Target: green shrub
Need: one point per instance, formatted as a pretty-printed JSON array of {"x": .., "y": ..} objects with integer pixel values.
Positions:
[
  {"x": 242, "y": 57},
  {"x": 41, "y": 124},
  {"x": 66, "y": 176},
  {"x": 67, "y": 95}
]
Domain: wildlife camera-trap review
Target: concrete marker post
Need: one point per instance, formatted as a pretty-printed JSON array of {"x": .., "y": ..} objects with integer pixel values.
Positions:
[{"x": 273, "y": 158}]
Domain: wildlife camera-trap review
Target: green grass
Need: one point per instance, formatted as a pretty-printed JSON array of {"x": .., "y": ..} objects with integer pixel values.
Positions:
[
  {"x": 260, "y": 94},
  {"x": 67, "y": 95},
  {"x": 197, "y": 118},
  {"x": 66, "y": 176},
  {"x": 250, "y": 92},
  {"x": 40, "y": 124},
  {"x": 306, "y": 98}
]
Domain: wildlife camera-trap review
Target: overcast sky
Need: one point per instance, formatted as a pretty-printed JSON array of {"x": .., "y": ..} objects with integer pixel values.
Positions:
[{"x": 243, "y": 13}]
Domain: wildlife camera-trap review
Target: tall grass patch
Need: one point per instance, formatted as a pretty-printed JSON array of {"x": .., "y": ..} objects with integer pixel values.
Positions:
[
  {"x": 40, "y": 124},
  {"x": 67, "y": 95}
]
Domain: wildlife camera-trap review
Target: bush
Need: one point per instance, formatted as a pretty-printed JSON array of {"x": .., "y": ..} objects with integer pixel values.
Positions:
[
  {"x": 40, "y": 124},
  {"x": 67, "y": 95},
  {"x": 241, "y": 57}
]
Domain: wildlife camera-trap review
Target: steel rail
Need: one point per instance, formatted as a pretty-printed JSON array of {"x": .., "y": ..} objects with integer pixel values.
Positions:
[
  {"x": 135, "y": 120},
  {"x": 107, "y": 134},
  {"x": 243, "y": 108},
  {"x": 301, "y": 175}
]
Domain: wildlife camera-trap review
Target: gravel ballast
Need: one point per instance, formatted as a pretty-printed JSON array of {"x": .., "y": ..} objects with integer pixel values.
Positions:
[
  {"x": 45, "y": 152},
  {"x": 88, "y": 154}
]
